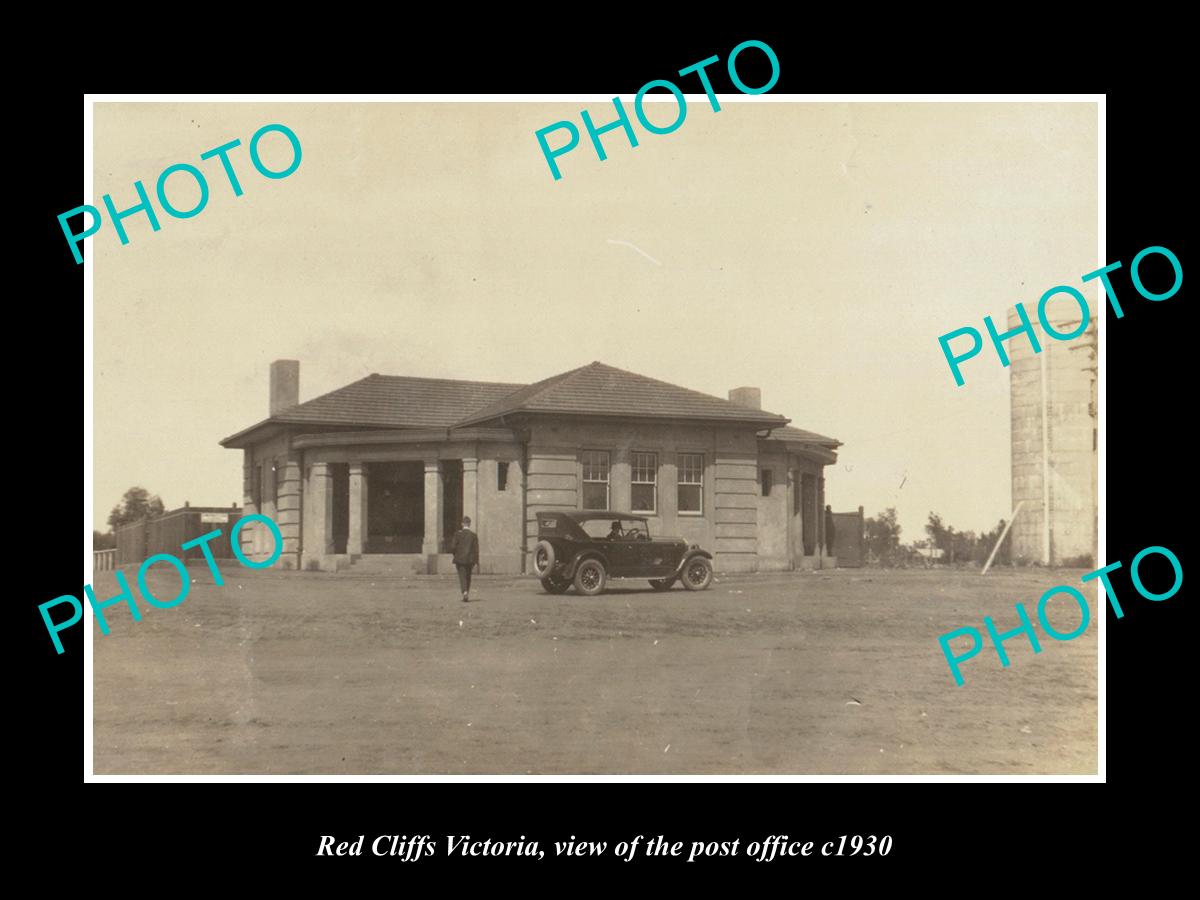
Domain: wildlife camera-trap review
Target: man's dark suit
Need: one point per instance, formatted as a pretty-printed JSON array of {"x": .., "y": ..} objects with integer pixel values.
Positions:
[{"x": 465, "y": 547}]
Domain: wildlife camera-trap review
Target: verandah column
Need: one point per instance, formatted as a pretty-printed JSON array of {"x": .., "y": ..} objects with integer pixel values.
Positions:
[
  {"x": 470, "y": 490},
  {"x": 357, "y": 537},
  {"x": 318, "y": 513},
  {"x": 433, "y": 507}
]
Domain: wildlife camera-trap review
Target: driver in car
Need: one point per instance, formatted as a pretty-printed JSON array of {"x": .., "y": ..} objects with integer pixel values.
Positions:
[{"x": 616, "y": 533}]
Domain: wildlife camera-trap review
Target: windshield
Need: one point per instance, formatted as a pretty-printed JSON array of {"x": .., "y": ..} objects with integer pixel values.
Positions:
[{"x": 615, "y": 529}]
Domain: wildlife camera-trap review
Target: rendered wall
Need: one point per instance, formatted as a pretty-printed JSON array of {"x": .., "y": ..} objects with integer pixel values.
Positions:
[{"x": 728, "y": 525}]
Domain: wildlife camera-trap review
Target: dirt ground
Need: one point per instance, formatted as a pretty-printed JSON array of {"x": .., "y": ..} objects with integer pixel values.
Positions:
[{"x": 799, "y": 673}]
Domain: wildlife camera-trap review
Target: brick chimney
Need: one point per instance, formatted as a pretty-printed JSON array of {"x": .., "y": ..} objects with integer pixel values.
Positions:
[
  {"x": 746, "y": 396},
  {"x": 285, "y": 384}
]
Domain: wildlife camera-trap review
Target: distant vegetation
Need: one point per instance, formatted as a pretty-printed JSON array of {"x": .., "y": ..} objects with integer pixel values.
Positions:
[{"x": 943, "y": 544}]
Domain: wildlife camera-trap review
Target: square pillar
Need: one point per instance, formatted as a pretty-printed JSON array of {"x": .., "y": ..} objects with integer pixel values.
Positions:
[
  {"x": 433, "y": 508},
  {"x": 357, "y": 538},
  {"x": 470, "y": 490},
  {"x": 318, "y": 512},
  {"x": 287, "y": 507},
  {"x": 822, "y": 537}
]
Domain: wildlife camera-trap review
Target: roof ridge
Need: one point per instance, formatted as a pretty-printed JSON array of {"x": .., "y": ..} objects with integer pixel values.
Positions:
[
  {"x": 541, "y": 386},
  {"x": 448, "y": 380},
  {"x": 689, "y": 390},
  {"x": 540, "y": 393}
]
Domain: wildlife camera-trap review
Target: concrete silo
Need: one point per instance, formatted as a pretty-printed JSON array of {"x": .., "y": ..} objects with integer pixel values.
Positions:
[{"x": 1054, "y": 438}]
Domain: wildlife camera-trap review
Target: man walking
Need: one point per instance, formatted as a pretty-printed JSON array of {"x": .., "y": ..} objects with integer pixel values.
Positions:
[{"x": 465, "y": 547}]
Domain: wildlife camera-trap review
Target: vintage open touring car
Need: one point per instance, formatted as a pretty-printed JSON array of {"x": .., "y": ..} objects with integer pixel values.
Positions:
[{"x": 588, "y": 548}]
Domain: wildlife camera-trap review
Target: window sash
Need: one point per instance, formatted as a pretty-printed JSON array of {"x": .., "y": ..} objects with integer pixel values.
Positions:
[
  {"x": 643, "y": 482},
  {"x": 644, "y": 468},
  {"x": 690, "y": 484},
  {"x": 691, "y": 468},
  {"x": 590, "y": 489},
  {"x": 595, "y": 465},
  {"x": 689, "y": 507},
  {"x": 596, "y": 472}
]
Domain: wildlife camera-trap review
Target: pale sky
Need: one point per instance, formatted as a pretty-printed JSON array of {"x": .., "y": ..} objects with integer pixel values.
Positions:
[{"x": 816, "y": 251}]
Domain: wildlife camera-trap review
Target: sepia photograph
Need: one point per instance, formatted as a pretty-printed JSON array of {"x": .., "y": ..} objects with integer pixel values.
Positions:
[{"x": 527, "y": 437}]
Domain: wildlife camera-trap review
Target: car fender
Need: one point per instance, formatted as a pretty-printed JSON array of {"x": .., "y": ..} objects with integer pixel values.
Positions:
[
  {"x": 691, "y": 554},
  {"x": 586, "y": 554}
]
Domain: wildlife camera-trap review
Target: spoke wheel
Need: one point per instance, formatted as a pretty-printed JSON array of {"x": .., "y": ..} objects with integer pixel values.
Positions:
[
  {"x": 590, "y": 577},
  {"x": 697, "y": 574}
]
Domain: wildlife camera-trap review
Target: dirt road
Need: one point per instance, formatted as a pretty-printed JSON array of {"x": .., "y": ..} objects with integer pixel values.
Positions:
[{"x": 840, "y": 672}]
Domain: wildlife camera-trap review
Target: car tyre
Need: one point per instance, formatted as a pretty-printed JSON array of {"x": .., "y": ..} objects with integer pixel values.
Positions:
[
  {"x": 554, "y": 585},
  {"x": 697, "y": 573},
  {"x": 662, "y": 584},
  {"x": 543, "y": 558},
  {"x": 590, "y": 577}
]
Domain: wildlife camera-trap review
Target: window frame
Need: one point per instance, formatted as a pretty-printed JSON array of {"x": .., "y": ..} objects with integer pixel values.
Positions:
[
  {"x": 680, "y": 468},
  {"x": 766, "y": 480},
  {"x": 501, "y": 475},
  {"x": 653, "y": 468},
  {"x": 584, "y": 465}
]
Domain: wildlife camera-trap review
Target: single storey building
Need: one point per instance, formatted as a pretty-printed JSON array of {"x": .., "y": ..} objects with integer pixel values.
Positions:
[{"x": 390, "y": 465}]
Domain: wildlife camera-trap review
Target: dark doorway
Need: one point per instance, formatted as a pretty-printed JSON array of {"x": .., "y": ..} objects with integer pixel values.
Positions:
[
  {"x": 395, "y": 507},
  {"x": 341, "y": 505},
  {"x": 452, "y": 505},
  {"x": 848, "y": 538},
  {"x": 808, "y": 507}
]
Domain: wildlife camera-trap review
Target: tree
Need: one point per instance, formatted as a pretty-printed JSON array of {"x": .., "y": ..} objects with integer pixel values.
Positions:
[
  {"x": 987, "y": 540},
  {"x": 962, "y": 546},
  {"x": 883, "y": 537},
  {"x": 137, "y": 504},
  {"x": 940, "y": 535},
  {"x": 103, "y": 541}
]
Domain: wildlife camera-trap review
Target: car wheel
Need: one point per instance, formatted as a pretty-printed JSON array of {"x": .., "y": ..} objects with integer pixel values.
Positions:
[
  {"x": 590, "y": 577},
  {"x": 662, "y": 584},
  {"x": 697, "y": 573},
  {"x": 543, "y": 558},
  {"x": 555, "y": 586}
]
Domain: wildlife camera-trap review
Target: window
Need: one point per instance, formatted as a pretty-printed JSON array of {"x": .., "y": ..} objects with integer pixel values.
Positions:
[
  {"x": 277, "y": 475},
  {"x": 502, "y": 476},
  {"x": 768, "y": 481},
  {"x": 644, "y": 472},
  {"x": 595, "y": 479},
  {"x": 691, "y": 484}
]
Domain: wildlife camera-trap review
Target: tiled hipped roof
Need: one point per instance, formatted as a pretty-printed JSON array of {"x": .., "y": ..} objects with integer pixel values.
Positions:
[
  {"x": 600, "y": 390},
  {"x": 394, "y": 401},
  {"x": 388, "y": 401},
  {"x": 799, "y": 435}
]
